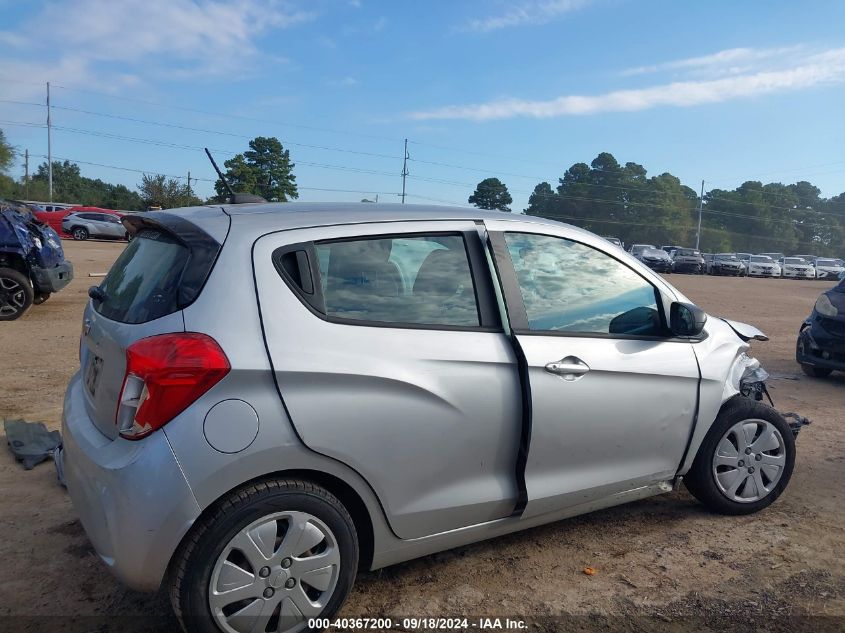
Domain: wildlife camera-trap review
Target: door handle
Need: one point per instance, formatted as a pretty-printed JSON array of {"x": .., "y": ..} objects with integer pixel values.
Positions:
[{"x": 569, "y": 368}]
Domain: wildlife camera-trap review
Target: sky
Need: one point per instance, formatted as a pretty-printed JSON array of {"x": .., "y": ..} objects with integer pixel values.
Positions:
[{"x": 517, "y": 89}]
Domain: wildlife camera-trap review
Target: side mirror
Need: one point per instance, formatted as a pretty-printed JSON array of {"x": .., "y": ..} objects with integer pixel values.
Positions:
[{"x": 686, "y": 319}]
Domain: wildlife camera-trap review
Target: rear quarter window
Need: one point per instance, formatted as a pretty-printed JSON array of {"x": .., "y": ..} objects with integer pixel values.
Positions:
[{"x": 143, "y": 284}]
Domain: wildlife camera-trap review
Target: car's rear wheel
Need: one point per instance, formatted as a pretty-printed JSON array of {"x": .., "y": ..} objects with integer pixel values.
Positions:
[
  {"x": 16, "y": 294},
  {"x": 745, "y": 460},
  {"x": 269, "y": 557},
  {"x": 816, "y": 372},
  {"x": 79, "y": 233}
]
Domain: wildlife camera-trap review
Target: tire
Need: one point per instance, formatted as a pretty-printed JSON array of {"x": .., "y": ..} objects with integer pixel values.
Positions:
[
  {"x": 16, "y": 294},
  {"x": 702, "y": 481},
  {"x": 212, "y": 542},
  {"x": 40, "y": 298},
  {"x": 80, "y": 233},
  {"x": 816, "y": 372}
]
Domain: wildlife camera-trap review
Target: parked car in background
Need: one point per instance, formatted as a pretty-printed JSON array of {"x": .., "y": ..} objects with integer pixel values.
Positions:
[
  {"x": 708, "y": 261},
  {"x": 762, "y": 266},
  {"x": 637, "y": 249},
  {"x": 656, "y": 259},
  {"x": 254, "y": 458},
  {"x": 615, "y": 240},
  {"x": 32, "y": 262},
  {"x": 797, "y": 268},
  {"x": 726, "y": 264},
  {"x": 744, "y": 259},
  {"x": 828, "y": 268},
  {"x": 687, "y": 260},
  {"x": 670, "y": 249},
  {"x": 99, "y": 225},
  {"x": 821, "y": 340},
  {"x": 55, "y": 218}
]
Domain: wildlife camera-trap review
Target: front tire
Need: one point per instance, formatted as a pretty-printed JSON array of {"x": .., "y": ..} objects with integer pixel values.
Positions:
[
  {"x": 16, "y": 294},
  {"x": 79, "y": 233},
  {"x": 745, "y": 460},
  {"x": 274, "y": 553}
]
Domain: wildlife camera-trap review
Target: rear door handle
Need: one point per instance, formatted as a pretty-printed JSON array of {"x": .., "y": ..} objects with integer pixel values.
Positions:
[{"x": 569, "y": 368}]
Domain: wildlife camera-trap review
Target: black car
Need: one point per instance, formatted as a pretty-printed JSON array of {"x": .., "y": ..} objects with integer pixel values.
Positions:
[
  {"x": 656, "y": 259},
  {"x": 32, "y": 262},
  {"x": 821, "y": 340},
  {"x": 725, "y": 264},
  {"x": 687, "y": 260}
]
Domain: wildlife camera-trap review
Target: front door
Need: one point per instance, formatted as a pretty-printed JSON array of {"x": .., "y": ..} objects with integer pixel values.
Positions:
[{"x": 613, "y": 396}]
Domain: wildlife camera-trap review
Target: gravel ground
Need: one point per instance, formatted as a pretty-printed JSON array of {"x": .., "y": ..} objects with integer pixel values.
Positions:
[{"x": 661, "y": 564}]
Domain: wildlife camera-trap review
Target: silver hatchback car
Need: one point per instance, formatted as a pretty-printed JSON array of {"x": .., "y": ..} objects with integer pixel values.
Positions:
[{"x": 274, "y": 396}]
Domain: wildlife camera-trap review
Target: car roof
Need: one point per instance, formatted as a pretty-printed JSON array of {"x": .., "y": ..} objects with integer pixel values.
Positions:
[{"x": 273, "y": 216}]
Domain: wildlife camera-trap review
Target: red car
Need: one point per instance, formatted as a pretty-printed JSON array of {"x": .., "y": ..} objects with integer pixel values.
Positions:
[{"x": 54, "y": 218}]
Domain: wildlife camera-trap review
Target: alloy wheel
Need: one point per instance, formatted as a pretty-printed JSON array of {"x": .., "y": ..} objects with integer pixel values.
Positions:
[
  {"x": 749, "y": 460},
  {"x": 12, "y": 297},
  {"x": 274, "y": 574}
]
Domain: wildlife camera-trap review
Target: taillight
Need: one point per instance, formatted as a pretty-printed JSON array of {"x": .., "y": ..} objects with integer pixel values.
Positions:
[{"x": 164, "y": 375}]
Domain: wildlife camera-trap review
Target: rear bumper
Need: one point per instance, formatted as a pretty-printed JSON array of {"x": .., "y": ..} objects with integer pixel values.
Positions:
[
  {"x": 52, "y": 279},
  {"x": 131, "y": 497}
]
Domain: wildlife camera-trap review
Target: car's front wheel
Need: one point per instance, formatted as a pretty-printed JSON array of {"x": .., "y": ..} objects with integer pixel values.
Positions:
[
  {"x": 269, "y": 557},
  {"x": 80, "y": 233},
  {"x": 16, "y": 294},
  {"x": 745, "y": 460}
]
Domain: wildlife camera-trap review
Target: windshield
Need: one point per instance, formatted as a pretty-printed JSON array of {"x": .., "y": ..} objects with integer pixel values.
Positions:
[
  {"x": 686, "y": 252},
  {"x": 761, "y": 259},
  {"x": 726, "y": 257},
  {"x": 794, "y": 260},
  {"x": 654, "y": 252},
  {"x": 827, "y": 262}
]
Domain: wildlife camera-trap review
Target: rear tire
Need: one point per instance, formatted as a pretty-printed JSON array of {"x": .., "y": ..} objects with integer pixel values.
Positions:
[
  {"x": 79, "y": 233},
  {"x": 275, "y": 517},
  {"x": 16, "y": 294},
  {"x": 732, "y": 475},
  {"x": 816, "y": 372}
]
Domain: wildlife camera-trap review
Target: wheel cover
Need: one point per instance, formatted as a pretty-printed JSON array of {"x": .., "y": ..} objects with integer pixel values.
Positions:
[
  {"x": 749, "y": 460},
  {"x": 12, "y": 297},
  {"x": 80, "y": 234},
  {"x": 274, "y": 574}
]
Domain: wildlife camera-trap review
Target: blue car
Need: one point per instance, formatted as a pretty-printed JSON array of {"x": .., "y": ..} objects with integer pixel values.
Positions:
[
  {"x": 32, "y": 262},
  {"x": 821, "y": 340}
]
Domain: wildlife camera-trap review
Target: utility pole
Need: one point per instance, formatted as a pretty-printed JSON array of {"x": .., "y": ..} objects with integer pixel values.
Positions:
[
  {"x": 700, "y": 204},
  {"x": 49, "y": 148},
  {"x": 189, "y": 182},
  {"x": 26, "y": 173},
  {"x": 404, "y": 170}
]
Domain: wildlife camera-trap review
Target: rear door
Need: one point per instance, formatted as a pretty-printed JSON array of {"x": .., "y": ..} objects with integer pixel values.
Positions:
[
  {"x": 613, "y": 396},
  {"x": 390, "y": 357}
]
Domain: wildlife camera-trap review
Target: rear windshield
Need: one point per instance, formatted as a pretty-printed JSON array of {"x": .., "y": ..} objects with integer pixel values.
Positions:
[{"x": 143, "y": 284}]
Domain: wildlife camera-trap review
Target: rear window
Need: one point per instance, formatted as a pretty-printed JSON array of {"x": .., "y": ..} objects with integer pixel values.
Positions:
[{"x": 143, "y": 284}]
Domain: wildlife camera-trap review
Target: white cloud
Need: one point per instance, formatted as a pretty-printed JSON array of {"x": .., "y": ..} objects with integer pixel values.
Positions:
[
  {"x": 524, "y": 13},
  {"x": 732, "y": 60},
  {"x": 346, "y": 82},
  {"x": 170, "y": 38},
  {"x": 816, "y": 69}
]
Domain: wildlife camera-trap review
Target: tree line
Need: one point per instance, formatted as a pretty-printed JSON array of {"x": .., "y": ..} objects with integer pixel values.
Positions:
[
  {"x": 623, "y": 201},
  {"x": 264, "y": 169},
  {"x": 605, "y": 197}
]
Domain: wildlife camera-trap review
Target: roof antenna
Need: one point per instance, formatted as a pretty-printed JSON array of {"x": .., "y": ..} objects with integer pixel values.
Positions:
[{"x": 234, "y": 198}]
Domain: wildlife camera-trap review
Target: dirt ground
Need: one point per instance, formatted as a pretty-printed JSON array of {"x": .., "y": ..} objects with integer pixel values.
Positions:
[{"x": 661, "y": 564}]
